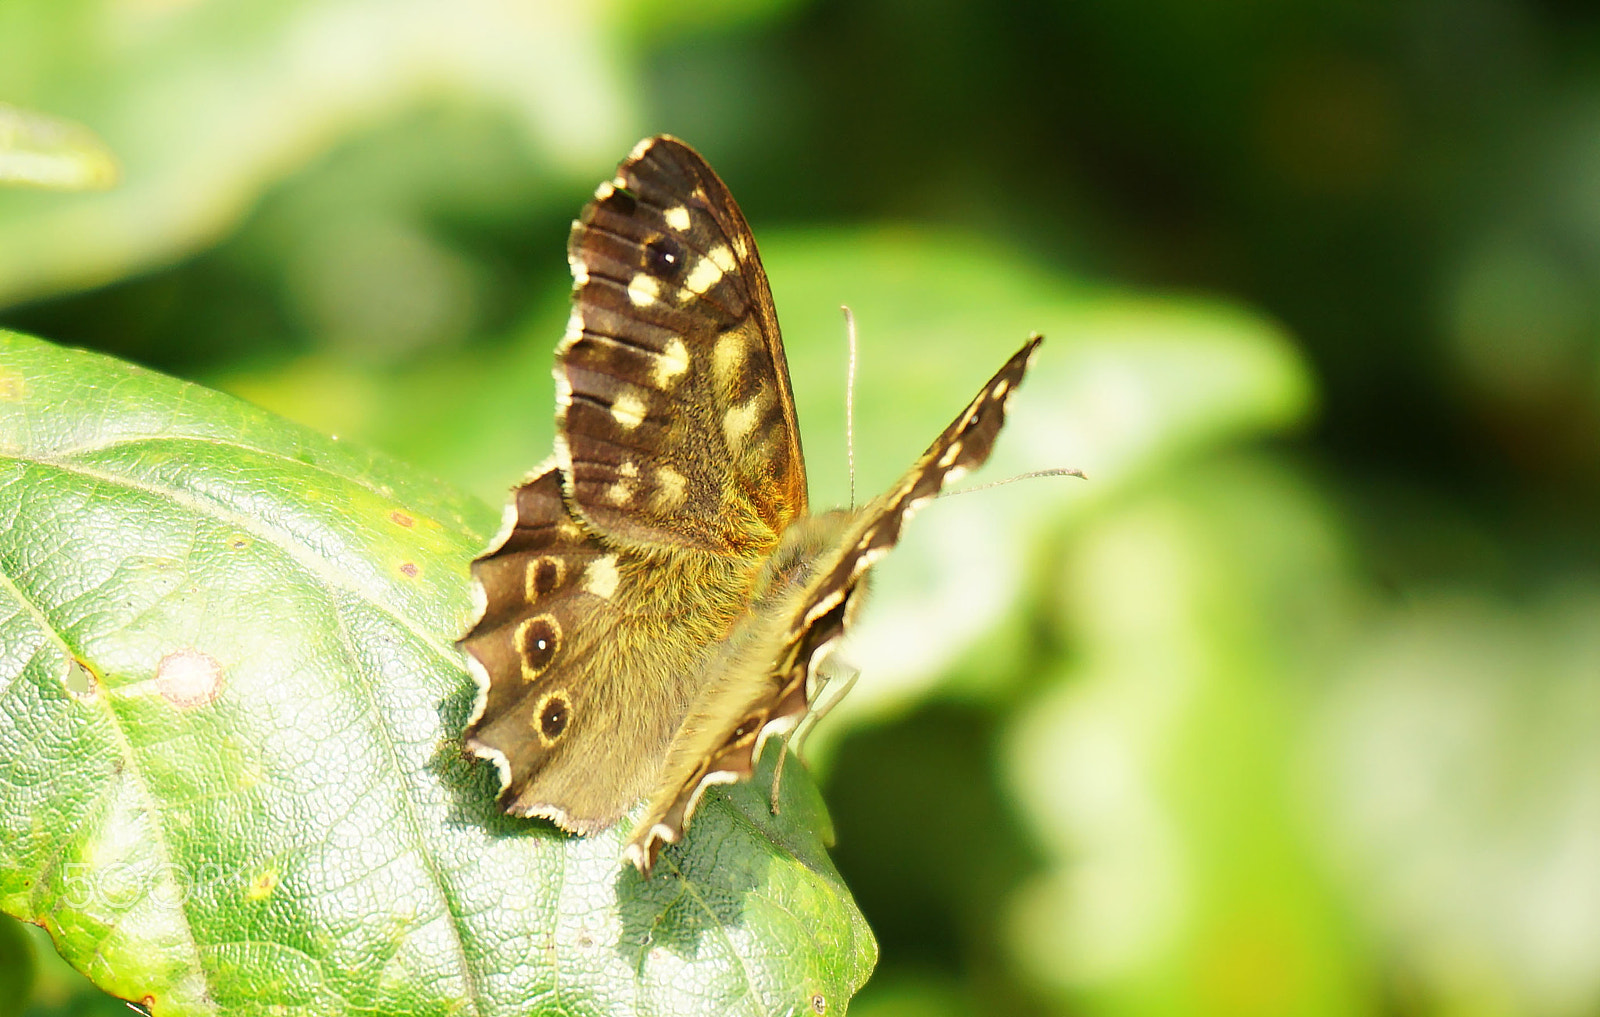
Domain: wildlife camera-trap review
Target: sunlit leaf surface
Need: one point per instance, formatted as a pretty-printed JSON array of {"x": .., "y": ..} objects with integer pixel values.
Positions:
[{"x": 229, "y": 769}]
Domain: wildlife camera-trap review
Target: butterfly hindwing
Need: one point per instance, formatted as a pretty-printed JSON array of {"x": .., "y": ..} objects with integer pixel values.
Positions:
[
  {"x": 677, "y": 418},
  {"x": 554, "y": 705},
  {"x": 735, "y": 714}
]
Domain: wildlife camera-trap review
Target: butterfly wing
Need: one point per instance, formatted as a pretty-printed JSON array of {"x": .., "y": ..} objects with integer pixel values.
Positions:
[
  {"x": 676, "y": 420},
  {"x": 559, "y": 701},
  {"x": 721, "y": 739}
]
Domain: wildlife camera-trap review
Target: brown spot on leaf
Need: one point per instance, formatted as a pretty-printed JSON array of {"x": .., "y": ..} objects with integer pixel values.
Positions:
[
  {"x": 80, "y": 680},
  {"x": 188, "y": 678},
  {"x": 239, "y": 541},
  {"x": 262, "y": 885},
  {"x": 819, "y": 1002},
  {"x": 409, "y": 569},
  {"x": 402, "y": 519}
]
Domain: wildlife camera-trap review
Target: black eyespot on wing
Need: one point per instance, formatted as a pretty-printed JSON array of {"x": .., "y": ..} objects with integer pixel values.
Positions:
[
  {"x": 546, "y": 575},
  {"x": 538, "y": 638},
  {"x": 663, "y": 257},
  {"x": 553, "y": 718},
  {"x": 746, "y": 728}
]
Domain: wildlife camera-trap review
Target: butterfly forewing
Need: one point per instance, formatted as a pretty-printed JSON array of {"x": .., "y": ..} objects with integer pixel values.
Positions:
[
  {"x": 677, "y": 417},
  {"x": 963, "y": 446},
  {"x": 722, "y": 739}
]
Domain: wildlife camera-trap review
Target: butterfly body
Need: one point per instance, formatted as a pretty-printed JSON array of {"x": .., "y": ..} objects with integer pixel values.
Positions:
[{"x": 661, "y": 597}]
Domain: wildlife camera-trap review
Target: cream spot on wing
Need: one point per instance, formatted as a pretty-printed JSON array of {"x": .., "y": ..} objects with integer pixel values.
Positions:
[
  {"x": 643, "y": 290},
  {"x": 601, "y": 577},
  {"x": 628, "y": 411},
  {"x": 1001, "y": 387},
  {"x": 574, "y": 327},
  {"x": 580, "y": 271},
  {"x": 670, "y": 488},
  {"x": 722, "y": 258},
  {"x": 704, "y": 275},
  {"x": 605, "y": 190},
  {"x": 671, "y": 363},
  {"x": 677, "y": 217},
  {"x": 950, "y": 455},
  {"x": 569, "y": 530},
  {"x": 619, "y": 493},
  {"x": 727, "y": 358},
  {"x": 640, "y": 149},
  {"x": 738, "y": 422},
  {"x": 628, "y": 468},
  {"x": 741, "y": 245}
]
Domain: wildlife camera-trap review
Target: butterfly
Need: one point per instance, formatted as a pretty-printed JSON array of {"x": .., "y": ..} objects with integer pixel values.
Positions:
[{"x": 660, "y": 598}]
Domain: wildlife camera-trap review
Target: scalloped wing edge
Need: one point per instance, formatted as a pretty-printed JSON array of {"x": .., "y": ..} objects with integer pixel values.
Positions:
[{"x": 481, "y": 678}]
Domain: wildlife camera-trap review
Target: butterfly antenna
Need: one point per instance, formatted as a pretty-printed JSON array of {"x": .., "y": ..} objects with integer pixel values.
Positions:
[
  {"x": 850, "y": 401},
  {"x": 1060, "y": 472}
]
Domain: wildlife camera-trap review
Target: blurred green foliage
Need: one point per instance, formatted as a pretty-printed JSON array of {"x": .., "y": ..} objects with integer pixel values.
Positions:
[
  {"x": 16, "y": 967},
  {"x": 42, "y": 151},
  {"x": 1294, "y": 707}
]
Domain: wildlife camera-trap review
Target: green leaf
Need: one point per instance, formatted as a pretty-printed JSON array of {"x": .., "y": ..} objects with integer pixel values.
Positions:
[
  {"x": 229, "y": 769},
  {"x": 43, "y": 151}
]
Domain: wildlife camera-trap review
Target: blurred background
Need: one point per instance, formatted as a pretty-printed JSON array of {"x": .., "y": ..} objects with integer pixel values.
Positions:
[{"x": 1292, "y": 708}]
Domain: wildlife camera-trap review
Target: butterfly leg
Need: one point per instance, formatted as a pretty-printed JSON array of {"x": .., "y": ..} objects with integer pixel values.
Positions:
[
  {"x": 801, "y": 730},
  {"x": 813, "y": 717},
  {"x": 777, "y": 771}
]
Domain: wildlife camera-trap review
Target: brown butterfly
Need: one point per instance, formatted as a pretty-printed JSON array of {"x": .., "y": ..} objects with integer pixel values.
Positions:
[{"x": 660, "y": 598}]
